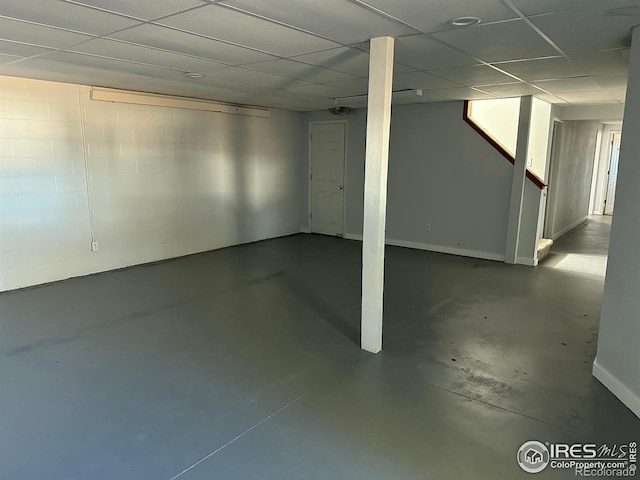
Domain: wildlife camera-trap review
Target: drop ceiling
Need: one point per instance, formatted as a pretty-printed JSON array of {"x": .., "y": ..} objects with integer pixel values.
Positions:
[{"x": 302, "y": 54}]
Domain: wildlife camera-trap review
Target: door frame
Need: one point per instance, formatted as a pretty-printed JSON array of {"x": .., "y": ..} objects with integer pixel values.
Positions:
[
  {"x": 555, "y": 145},
  {"x": 607, "y": 182},
  {"x": 344, "y": 172}
]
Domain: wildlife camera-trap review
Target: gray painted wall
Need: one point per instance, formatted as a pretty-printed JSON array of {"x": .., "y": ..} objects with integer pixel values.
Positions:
[
  {"x": 442, "y": 173},
  {"x": 571, "y": 175},
  {"x": 618, "y": 361}
]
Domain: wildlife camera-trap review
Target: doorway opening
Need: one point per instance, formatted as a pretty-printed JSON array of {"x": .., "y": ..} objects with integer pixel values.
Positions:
[
  {"x": 327, "y": 155},
  {"x": 612, "y": 174}
]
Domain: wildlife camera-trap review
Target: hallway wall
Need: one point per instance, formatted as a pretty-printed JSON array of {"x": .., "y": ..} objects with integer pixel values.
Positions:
[
  {"x": 618, "y": 354},
  {"x": 571, "y": 175}
]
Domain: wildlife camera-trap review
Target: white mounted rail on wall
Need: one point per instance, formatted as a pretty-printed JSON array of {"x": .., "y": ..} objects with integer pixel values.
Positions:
[{"x": 159, "y": 100}]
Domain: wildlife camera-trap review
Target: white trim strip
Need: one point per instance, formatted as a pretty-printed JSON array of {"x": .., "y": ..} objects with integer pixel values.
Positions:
[
  {"x": 154, "y": 99},
  {"x": 615, "y": 386}
]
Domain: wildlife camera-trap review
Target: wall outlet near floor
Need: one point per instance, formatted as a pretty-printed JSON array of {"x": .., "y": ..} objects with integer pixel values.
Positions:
[
  {"x": 94, "y": 246},
  {"x": 428, "y": 227}
]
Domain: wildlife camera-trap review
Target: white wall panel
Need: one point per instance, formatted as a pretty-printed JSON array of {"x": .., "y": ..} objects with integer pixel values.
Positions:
[{"x": 162, "y": 182}]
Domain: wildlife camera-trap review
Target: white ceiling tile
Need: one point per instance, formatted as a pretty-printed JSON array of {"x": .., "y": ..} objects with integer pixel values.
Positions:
[
  {"x": 181, "y": 42},
  {"x": 619, "y": 94},
  {"x": 339, "y": 20},
  {"x": 107, "y": 64},
  {"x": 430, "y": 16},
  {"x": 611, "y": 81},
  {"x": 449, "y": 94},
  {"x": 320, "y": 91},
  {"x": 497, "y": 42},
  {"x": 516, "y": 89},
  {"x": 537, "y": 7},
  {"x": 603, "y": 63},
  {"x": 421, "y": 80},
  {"x": 253, "y": 77},
  {"x": 473, "y": 75},
  {"x": 355, "y": 86},
  {"x": 585, "y": 30},
  {"x": 551, "y": 99},
  {"x": 147, "y": 10},
  {"x": 423, "y": 53},
  {"x": 585, "y": 98},
  {"x": 542, "y": 69},
  {"x": 65, "y": 15},
  {"x": 52, "y": 71},
  {"x": 581, "y": 84},
  {"x": 242, "y": 29},
  {"x": 222, "y": 89},
  {"x": 343, "y": 59},
  {"x": 347, "y": 60},
  {"x": 300, "y": 70},
  {"x": 66, "y": 72},
  {"x": 400, "y": 68},
  {"x": 205, "y": 87},
  {"x": 136, "y": 53},
  {"x": 21, "y": 49},
  {"x": 19, "y": 31},
  {"x": 4, "y": 59}
]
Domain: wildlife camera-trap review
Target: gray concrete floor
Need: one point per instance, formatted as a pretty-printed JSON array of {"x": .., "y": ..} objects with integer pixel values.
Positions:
[{"x": 242, "y": 364}]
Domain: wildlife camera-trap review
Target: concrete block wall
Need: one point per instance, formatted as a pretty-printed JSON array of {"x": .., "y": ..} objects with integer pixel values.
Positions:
[{"x": 147, "y": 183}]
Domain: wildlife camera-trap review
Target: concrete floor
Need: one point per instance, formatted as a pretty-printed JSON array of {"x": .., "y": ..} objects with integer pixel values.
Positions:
[{"x": 241, "y": 364}]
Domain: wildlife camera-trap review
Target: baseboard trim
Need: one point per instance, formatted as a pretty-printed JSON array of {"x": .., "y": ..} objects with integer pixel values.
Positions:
[
  {"x": 87, "y": 273},
  {"x": 462, "y": 252},
  {"x": 615, "y": 386},
  {"x": 570, "y": 227},
  {"x": 531, "y": 262}
]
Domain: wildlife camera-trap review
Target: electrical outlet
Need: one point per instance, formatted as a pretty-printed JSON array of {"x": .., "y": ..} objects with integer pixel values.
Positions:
[
  {"x": 428, "y": 227},
  {"x": 94, "y": 246}
]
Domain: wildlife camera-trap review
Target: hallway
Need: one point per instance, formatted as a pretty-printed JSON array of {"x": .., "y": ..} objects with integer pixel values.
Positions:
[
  {"x": 242, "y": 363},
  {"x": 583, "y": 249}
]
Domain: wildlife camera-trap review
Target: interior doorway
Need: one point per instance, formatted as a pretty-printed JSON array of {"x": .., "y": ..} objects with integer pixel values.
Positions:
[
  {"x": 612, "y": 173},
  {"x": 552, "y": 168},
  {"x": 327, "y": 142}
]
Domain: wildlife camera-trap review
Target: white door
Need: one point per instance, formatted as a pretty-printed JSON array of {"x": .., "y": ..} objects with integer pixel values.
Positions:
[
  {"x": 327, "y": 178},
  {"x": 613, "y": 175}
]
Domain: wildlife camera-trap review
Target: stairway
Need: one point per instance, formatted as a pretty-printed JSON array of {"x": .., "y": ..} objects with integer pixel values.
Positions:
[{"x": 544, "y": 246}]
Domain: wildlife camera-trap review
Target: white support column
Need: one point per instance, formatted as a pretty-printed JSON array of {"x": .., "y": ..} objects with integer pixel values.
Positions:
[
  {"x": 616, "y": 365},
  {"x": 518, "y": 179},
  {"x": 375, "y": 190}
]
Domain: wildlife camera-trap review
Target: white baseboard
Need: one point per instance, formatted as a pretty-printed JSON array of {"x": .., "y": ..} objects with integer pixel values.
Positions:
[
  {"x": 305, "y": 230},
  {"x": 531, "y": 262},
  {"x": 463, "y": 252},
  {"x": 615, "y": 386},
  {"x": 352, "y": 236},
  {"x": 570, "y": 227}
]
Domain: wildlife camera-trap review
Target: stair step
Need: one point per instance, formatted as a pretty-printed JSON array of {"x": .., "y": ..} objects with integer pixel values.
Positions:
[{"x": 544, "y": 246}]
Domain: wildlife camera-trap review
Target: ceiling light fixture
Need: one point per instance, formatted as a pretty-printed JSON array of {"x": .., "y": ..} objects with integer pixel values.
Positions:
[
  {"x": 464, "y": 21},
  {"x": 193, "y": 75}
]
